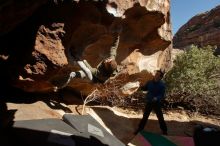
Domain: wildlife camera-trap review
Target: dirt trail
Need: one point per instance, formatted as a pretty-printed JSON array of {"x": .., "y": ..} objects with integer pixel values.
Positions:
[{"x": 120, "y": 122}]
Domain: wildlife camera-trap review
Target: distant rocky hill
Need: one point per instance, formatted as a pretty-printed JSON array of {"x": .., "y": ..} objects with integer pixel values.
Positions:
[{"x": 202, "y": 30}]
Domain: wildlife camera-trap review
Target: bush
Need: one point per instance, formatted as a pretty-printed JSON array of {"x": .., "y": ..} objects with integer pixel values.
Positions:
[{"x": 194, "y": 81}]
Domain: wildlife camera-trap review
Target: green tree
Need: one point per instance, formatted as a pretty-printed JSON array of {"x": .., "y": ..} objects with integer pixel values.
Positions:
[{"x": 194, "y": 80}]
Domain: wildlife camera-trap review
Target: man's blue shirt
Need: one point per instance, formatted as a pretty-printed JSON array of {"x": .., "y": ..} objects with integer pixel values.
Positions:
[{"x": 155, "y": 89}]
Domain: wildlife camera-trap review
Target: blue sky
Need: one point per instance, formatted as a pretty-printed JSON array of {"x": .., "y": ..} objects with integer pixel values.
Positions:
[{"x": 183, "y": 10}]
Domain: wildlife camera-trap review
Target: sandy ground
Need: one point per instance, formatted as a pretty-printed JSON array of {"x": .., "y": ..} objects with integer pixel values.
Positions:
[{"x": 120, "y": 122}]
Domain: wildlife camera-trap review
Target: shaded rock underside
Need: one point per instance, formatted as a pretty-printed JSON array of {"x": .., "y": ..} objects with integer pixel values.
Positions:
[{"x": 41, "y": 39}]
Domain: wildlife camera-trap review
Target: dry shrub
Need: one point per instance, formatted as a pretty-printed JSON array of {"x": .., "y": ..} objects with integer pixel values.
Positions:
[{"x": 110, "y": 94}]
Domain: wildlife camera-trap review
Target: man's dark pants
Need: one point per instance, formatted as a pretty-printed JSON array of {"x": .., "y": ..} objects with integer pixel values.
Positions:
[{"x": 156, "y": 106}]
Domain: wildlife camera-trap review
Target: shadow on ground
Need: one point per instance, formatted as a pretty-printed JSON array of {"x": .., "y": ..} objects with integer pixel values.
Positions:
[
  {"x": 123, "y": 127},
  {"x": 21, "y": 136}
]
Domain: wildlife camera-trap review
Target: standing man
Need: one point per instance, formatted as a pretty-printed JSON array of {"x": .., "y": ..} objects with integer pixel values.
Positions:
[{"x": 154, "y": 96}]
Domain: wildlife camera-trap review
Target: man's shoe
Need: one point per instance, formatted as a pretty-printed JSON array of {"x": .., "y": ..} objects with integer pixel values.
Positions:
[
  {"x": 164, "y": 132},
  {"x": 55, "y": 89},
  {"x": 136, "y": 132}
]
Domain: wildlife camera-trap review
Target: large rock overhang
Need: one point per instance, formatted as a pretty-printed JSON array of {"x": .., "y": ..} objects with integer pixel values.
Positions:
[{"x": 37, "y": 50}]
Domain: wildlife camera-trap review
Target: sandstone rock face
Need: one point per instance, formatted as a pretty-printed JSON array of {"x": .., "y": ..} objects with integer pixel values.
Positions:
[
  {"x": 13, "y": 12},
  {"x": 202, "y": 30},
  {"x": 43, "y": 46}
]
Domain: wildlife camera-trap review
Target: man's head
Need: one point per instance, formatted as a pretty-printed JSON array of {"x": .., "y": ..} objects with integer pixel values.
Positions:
[
  {"x": 158, "y": 75},
  {"x": 110, "y": 65}
]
